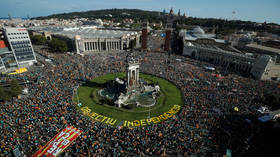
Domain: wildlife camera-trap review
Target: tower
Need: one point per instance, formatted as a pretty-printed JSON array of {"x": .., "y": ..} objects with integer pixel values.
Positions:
[
  {"x": 171, "y": 11},
  {"x": 132, "y": 73},
  {"x": 168, "y": 32},
  {"x": 164, "y": 11},
  {"x": 10, "y": 17},
  {"x": 145, "y": 35},
  {"x": 167, "y": 39},
  {"x": 170, "y": 38},
  {"x": 184, "y": 15}
]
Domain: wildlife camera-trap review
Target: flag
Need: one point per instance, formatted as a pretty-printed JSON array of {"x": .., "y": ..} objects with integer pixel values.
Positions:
[{"x": 59, "y": 142}]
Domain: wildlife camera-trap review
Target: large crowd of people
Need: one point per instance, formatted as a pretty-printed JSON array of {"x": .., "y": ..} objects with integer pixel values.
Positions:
[{"x": 217, "y": 114}]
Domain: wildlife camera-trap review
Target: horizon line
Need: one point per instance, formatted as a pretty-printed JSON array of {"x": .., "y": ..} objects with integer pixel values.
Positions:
[{"x": 142, "y": 10}]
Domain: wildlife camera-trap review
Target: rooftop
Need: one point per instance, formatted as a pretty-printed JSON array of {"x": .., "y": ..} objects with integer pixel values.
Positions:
[
  {"x": 264, "y": 48},
  {"x": 217, "y": 49},
  {"x": 86, "y": 32},
  {"x": 198, "y": 33}
]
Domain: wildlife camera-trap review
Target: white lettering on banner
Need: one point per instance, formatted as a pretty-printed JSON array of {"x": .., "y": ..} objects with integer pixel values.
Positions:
[
  {"x": 57, "y": 151},
  {"x": 59, "y": 142},
  {"x": 52, "y": 149},
  {"x": 62, "y": 133},
  {"x": 65, "y": 142},
  {"x": 56, "y": 143},
  {"x": 67, "y": 135}
]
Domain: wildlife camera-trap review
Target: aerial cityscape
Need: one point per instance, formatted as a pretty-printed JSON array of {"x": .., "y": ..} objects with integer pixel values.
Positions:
[{"x": 139, "y": 78}]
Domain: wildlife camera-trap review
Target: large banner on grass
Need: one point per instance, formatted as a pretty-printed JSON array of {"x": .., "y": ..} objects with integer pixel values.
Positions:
[
  {"x": 135, "y": 123},
  {"x": 59, "y": 142}
]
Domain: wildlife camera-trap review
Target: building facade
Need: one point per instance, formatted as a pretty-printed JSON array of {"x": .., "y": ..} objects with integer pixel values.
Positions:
[
  {"x": 47, "y": 35},
  {"x": 20, "y": 46},
  {"x": 266, "y": 68},
  {"x": 89, "y": 45},
  {"x": 227, "y": 59},
  {"x": 205, "y": 47},
  {"x": 263, "y": 67},
  {"x": 86, "y": 40},
  {"x": 2, "y": 66},
  {"x": 7, "y": 59}
]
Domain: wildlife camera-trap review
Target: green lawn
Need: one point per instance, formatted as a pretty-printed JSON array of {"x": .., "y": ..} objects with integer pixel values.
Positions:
[{"x": 169, "y": 95}]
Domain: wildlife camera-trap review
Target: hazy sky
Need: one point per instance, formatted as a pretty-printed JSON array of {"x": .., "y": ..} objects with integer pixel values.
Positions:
[{"x": 253, "y": 10}]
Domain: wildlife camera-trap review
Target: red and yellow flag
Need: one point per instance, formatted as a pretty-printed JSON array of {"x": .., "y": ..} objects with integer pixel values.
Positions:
[{"x": 59, "y": 142}]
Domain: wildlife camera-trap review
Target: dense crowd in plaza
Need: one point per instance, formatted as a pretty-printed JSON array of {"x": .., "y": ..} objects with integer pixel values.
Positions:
[{"x": 223, "y": 106}]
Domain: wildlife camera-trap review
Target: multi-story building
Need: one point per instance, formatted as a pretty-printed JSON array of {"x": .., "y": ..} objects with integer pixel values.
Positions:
[
  {"x": 211, "y": 53},
  {"x": 20, "y": 45},
  {"x": 201, "y": 47},
  {"x": 2, "y": 66},
  {"x": 2, "y": 45},
  {"x": 86, "y": 40},
  {"x": 7, "y": 59},
  {"x": 266, "y": 68},
  {"x": 263, "y": 67}
]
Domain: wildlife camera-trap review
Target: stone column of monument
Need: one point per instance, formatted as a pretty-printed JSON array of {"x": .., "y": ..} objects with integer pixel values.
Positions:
[
  {"x": 106, "y": 45},
  {"x": 121, "y": 43},
  {"x": 137, "y": 76},
  {"x": 132, "y": 73},
  {"x": 138, "y": 41},
  {"x": 99, "y": 45},
  {"x": 128, "y": 78}
]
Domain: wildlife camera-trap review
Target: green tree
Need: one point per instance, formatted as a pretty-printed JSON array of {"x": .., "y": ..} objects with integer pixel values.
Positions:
[
  {"x": 58, "y": 45},
  {"x": 38, "y": 39},
  {"x": 15, "y": 88},
  {"x": 4, "y": 95}
]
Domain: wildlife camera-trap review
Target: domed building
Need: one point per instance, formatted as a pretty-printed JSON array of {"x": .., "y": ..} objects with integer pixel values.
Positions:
[
  {"x": 198, "y": 35},
  {"x": 198, "y": 30}
]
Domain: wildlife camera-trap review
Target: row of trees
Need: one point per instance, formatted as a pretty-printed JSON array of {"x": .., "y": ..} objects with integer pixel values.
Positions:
[
  {"x": 225, "y": 27},
  {"x": 55, "y": 44},
  {"x": 10, "y": 92},
  {"x": 117, "y": 15},
  {"x": 58, "y": 45}
]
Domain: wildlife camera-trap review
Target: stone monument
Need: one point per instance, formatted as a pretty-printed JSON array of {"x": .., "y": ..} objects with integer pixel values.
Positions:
[
  {"x": 135, "y": 92},
  {"x": 132, "y": 72}
]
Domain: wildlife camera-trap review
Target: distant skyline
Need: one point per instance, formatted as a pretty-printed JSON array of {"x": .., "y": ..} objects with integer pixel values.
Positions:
[{"x": 251, "y": 10}]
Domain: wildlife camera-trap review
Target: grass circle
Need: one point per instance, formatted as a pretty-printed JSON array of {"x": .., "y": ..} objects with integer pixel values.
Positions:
[{"x": 88, "y": 96}]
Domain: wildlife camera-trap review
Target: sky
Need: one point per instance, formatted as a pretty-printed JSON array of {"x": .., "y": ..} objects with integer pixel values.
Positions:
[{"x": 252, "y": 10}]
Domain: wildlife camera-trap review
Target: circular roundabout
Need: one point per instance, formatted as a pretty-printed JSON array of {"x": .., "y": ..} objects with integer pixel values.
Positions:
[{"x": 102, "y": 108}]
